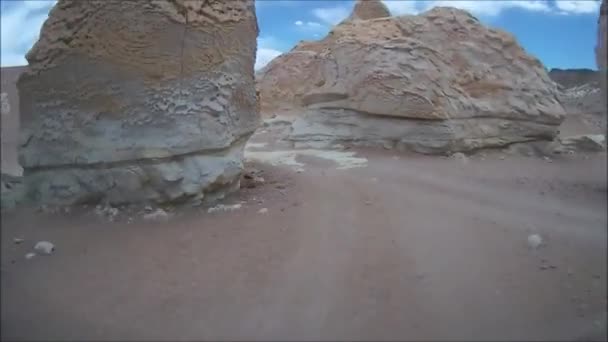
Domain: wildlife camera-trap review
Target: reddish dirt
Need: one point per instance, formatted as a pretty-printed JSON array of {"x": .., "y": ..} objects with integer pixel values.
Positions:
[{"x": 415, "y": 248}]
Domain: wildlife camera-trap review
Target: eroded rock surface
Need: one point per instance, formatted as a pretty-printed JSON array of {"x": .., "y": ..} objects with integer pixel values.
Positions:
[
  {"x": 132, "y": 101},
  {"x": 434, "y": 83}
]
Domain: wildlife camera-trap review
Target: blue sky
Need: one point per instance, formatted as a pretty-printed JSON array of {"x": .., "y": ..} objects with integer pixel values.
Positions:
[{"x": 561, "y": 34}]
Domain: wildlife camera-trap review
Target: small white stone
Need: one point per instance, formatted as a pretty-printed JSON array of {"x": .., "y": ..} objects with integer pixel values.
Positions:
[
  {"x": 222, "y": 207},
  {"x": 44, "y": 247},
  {"x": 263, "y": 211},
  {"x": 158, "y": 215},
  {"x": 29, "y": 256},
  {"x": 460, "y": 157},
  {"x": 18, "y": 240},
  {"x": 534, "y": 241}
]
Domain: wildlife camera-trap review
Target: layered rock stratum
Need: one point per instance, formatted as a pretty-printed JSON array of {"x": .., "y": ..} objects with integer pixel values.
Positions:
[
  {"x": 129, "y": 101},
  {"x": 433, "y": 83}
]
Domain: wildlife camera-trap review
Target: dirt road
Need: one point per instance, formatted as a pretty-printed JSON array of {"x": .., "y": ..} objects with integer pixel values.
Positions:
[{"x": 409, "y": 247}]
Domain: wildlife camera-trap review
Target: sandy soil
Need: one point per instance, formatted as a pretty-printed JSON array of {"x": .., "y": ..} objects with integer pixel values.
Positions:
[{"x": 406, "y": 248}]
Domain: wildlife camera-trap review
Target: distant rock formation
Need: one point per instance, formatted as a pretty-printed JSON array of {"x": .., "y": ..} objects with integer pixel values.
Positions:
[
  {"x": 579, "y": 90},
  {"x": 601, "y": 56},
  {"x": 128, "y": 101},
  {"x": 569, "y": 78},
  {"x": 601, "y": 47},
  {"x": 433, "y": 83}
]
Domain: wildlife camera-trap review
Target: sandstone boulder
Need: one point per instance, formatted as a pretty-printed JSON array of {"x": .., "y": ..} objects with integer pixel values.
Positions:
[
  {"x": 434, "y": 83},
  {"x": 129, "y": 101}
]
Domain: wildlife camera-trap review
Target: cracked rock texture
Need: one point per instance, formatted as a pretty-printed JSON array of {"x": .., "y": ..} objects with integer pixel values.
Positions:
[
  {"x": 129, "y": 101},
  {"x": 435, "y": 83}
]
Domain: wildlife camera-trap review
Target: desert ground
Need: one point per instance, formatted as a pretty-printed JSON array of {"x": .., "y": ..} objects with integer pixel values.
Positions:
[
  {"x": 361, "y": 244},
  {"x": 339, "y": 243}
]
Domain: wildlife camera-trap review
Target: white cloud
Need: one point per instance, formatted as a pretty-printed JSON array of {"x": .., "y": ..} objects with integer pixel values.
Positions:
[
  {"x": 310, "y": 26},
  {"x": 314, "y": 24},
  {"x": 267, "y": 51},
  {"x": 282, "y": 3},
  {"x": 20, "y": 25},
  {"x": 398, "y": 7},
  {"x": 577, "y": 7},
  {"x": 331, "y": 15},
  {"x": 489, "y": 7}
]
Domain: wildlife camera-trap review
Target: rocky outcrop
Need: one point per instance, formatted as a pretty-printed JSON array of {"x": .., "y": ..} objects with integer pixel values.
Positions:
[
  {"x": 601, "y": 56},
  {"x": 436, "y": 82},
  {"x": 580, "y": 143},
  {"x": 570, "y": 78},
  {"x": 369, "y": 9},
  {"x": 133, "y": 101},
  {"x": 579, "y": 90}
]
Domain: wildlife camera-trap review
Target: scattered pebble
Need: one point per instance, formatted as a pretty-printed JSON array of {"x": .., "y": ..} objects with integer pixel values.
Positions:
[
  {"x": 18, "y": 240},
  {"x": 299, "y": 170},
  {"x": 543, "y": 267},
  {"x": 460, "y": 157},
  {"x": 159, "y": 215},
  {"x": 368, "y": 202},
  {"x": 107, "y": 211},
  {"x": 501, "y": 157},
  {"x": 29, "y": 256},
  {"x": 44, "y": 247},
  {"x": 534, "y": 241},
  {"x": 547, "y": 159},
  {"x": 263, "y": 211},
  {"x": 222, "y": 207},
  {"x": 280, "y": 186}
]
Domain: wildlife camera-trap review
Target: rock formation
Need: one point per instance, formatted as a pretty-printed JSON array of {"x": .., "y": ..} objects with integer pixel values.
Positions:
[
  {"x": 433, "y": 83},
  {"x": 579, "y": 91},
  {"x": 369, "y": 9},
  {"x": 132, "y": 101},
  {"x": 570, "y": 78},
  {"x": 601, "y": 55}
]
